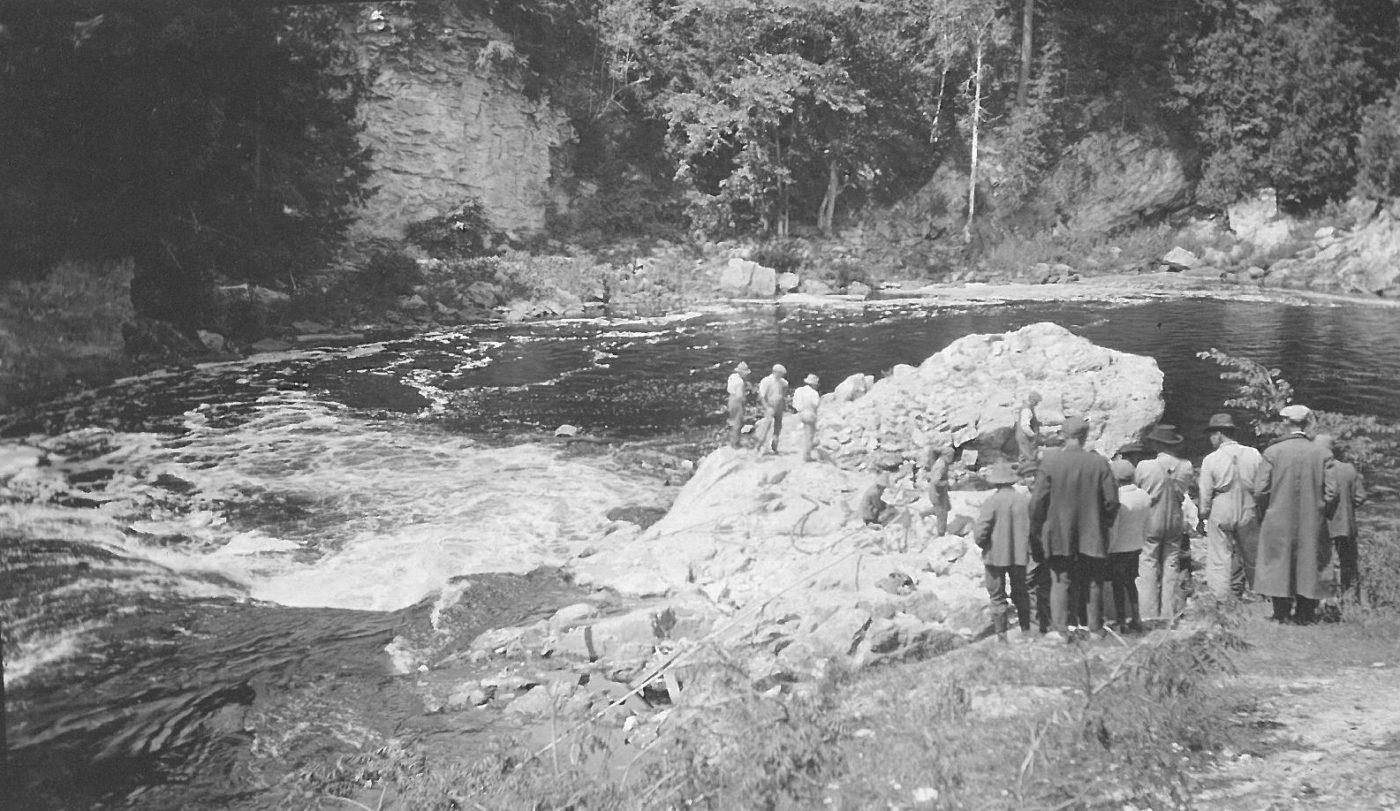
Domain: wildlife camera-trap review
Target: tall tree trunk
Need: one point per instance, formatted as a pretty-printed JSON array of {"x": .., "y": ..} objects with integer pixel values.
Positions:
[
  {"x": 826, "y": 215},
  {"x": 1027, "y": 29},
  {"x": 935, "y": 129},
  {"x": 976, "y": 121}
]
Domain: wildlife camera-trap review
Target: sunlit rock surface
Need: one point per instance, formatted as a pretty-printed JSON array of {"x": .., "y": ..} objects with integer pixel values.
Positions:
[
  {"x": 972, "y": 391},
  {"x": 775, "y": 551}
]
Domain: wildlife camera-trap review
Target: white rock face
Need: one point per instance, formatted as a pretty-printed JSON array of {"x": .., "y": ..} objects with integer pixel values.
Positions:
[
  {"x": 775, "y": 552},
  {"x": 973, "y": 389},
  {"x": 1257, "y": 221},
  {"x": 742, "y": 277}
]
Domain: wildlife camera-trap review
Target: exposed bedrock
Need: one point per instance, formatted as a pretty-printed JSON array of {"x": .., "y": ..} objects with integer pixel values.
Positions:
[{"x": 769, "y": 558}]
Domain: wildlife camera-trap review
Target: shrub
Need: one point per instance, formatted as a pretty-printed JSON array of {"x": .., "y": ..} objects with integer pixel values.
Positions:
[
  {"x": 461, "y": 233},
  {"x": 782, "y": 255},
  {"x": 1378, "y": 150}
]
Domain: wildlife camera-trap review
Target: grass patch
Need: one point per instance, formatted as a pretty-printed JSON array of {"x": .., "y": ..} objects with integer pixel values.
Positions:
[{"x": 993, "y": 726}]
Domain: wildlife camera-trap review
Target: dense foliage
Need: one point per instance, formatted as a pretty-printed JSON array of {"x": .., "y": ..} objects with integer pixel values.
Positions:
[
  {"x": 205, "y": 140},
  {"x": 774, "y": 110}
]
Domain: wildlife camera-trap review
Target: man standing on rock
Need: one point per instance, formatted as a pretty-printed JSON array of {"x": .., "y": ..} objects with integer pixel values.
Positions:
[
  {"x": 1227, "y": 508},
  {"x": 738, "y": 388},
  {"x": 805, "y": 402},
  {"x": 1294, "y": 490},
  {"x": 772, "y": 395},
  {"x": 1028, "y": 429},
  {"x": 940, "y": 459},
  {"x": 1072, "y": 508},
  {"x": 1351, "y": 494},
  {"x": 1165, "y": 478}
]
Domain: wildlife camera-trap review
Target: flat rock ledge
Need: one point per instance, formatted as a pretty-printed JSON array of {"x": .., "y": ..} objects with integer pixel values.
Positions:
[{"x": 764, "y": 561}]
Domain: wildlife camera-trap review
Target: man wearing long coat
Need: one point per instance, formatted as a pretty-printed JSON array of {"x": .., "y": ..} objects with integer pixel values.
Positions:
[
  {"x": 1294, "y": 490},
  {"x": 1072, "y": 509}
]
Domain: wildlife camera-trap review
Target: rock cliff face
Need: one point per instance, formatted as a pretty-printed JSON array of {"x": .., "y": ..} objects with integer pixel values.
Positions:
[
  {"x": 446, "y": 125},
  {"x": 1111, "y": 182}
]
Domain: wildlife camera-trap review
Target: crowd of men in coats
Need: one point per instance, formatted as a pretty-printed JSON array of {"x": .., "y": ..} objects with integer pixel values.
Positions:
[
  {"x": 1069, "y": 530},
  {"x": 1066, "y": 522}
]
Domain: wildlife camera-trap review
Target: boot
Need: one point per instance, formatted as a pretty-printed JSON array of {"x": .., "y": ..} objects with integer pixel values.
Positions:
[{"x": 999, "y": 623}]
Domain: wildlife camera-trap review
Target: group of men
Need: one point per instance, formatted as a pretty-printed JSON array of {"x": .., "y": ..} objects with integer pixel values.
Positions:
[
  {"x": 1280, "y": 524},
  {"x": 772, "y": 397},
  {"x": 1273, "y": 521}
]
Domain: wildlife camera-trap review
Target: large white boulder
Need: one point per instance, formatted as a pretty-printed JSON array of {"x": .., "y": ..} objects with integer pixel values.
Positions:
[
  {"x": 778, "y": 549},
  {"x": 970, "y": 393}
]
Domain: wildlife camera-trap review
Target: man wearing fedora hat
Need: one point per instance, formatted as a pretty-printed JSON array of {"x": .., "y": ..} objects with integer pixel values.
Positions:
[
  {"x": 1166, "y": 479},
  {"x": 1227, "y": 508},
  {"x": 1294, "y": 490},
  {"x": 738, "y": 388},
  {"x": 1002, "y": 531},
  {"x": 805, "y": 402},
  {"x": 1072, "y": 508}
]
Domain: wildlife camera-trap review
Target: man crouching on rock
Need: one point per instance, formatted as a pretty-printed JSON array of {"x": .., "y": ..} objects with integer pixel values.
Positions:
[{"x": 1072, "y": 508}]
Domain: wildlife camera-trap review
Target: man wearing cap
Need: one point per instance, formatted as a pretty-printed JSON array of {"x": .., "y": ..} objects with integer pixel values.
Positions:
[
  {"x": 1166, "y": 479},
  {"x": 1294, "y": 490},
  {"x": 1341, "y": 527},
  {"x": 1072, "y": 507},
  {"x": 738, "y": 388},
  {"x": 772, "y": 395},
  {"x": 805, "y": 402},
  {"x": 1227, "y": 508}
]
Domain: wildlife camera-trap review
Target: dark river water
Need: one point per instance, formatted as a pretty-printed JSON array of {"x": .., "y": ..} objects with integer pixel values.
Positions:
[{"x": 259, "y": 527}]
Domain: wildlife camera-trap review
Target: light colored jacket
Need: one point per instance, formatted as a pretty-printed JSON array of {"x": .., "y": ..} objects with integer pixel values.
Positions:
[
  {"x": 1227, "y": 484},
  {"x": 1129, "y": 531},
  {"x": 1295, "y": 487},
  {"x": 1166, "y": 480}
]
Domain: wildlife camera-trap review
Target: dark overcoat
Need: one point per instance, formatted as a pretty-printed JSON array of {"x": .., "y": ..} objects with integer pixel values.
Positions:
[
  {"x": 1294, "y": 489},
  {"x": 1073, "y": 504}
]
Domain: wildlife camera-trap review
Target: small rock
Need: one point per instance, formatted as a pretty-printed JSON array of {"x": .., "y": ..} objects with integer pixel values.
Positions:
[
  {"x": 212, "y": 340},
  {"x": 858, "y": 289},
  {"x": 1179, "y": 258},
  {"x": 270, "y": 345},
  {"x": 566, "y": 430}
]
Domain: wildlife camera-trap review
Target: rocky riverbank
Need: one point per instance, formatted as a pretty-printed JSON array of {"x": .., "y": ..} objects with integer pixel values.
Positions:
[
  {"x": 764, "y": 561},
  {"x": 77, "y": 326}
]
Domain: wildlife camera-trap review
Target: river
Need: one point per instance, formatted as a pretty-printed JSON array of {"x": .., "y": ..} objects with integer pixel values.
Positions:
[{"x": 229, "y": 549}]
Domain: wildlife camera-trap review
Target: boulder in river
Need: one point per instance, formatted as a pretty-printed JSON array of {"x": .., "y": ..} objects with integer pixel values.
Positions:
[{"x": 776, "y": 552}]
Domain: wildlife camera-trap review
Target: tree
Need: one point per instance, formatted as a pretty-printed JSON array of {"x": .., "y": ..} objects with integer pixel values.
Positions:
[
  {"x": 773, "y": 108},
  {"x": 205, "y": 140},
  {"x": 1276, "y": 90},
  {"x": 1378, "y": 150}
]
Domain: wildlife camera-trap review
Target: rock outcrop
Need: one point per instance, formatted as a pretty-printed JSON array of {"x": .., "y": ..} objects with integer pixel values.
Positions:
[
  {"x": 446, "y": 127},
  {"x": 968, "y": 395},
  {"x": 771, "y": 555},
  {"x": 1111, "y": 182}
]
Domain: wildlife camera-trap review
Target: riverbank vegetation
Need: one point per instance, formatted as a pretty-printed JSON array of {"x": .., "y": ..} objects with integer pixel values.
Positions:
[{"x": 946, "y": 140}]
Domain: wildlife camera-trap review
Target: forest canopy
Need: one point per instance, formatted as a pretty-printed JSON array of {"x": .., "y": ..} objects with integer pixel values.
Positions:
[{"x": 212, "y": 139}]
